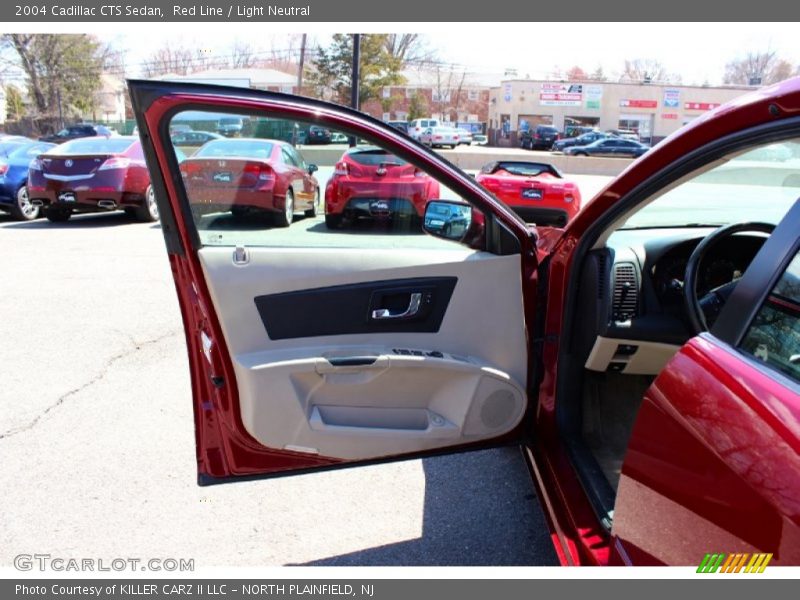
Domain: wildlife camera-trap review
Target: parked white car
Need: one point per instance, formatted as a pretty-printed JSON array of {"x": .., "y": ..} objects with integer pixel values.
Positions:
[
  {"x": 437, "y": 137},
  {"x": 418, "y": 126}
]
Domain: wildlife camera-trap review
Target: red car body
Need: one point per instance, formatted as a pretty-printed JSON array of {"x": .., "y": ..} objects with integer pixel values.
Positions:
[
  {"x": 536, "y": 191},
  {"x": 249, "y": 174},
  {"x": 369, "y": 182},
  {"x": 94, "y": 174},
  {"x": 713, "y": 463}
]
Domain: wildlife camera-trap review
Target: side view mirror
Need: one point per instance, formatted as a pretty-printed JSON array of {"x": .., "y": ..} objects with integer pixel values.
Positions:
[
  {"x": 312, "y": 168},
  {"x": 447, "y": 219}
]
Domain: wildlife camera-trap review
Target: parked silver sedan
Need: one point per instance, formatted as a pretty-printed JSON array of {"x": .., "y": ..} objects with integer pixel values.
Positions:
[{"x": 438, "y": 137}]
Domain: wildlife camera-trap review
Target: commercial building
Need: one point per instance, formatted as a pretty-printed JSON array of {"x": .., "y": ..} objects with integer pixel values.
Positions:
[{"x": 651, "y": 110}]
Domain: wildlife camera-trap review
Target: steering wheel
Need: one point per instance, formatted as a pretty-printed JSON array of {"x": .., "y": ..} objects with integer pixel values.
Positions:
[{"x": 705, "y": 310}]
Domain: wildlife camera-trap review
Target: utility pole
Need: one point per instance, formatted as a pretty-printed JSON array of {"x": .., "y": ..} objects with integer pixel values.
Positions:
[
  {"x": 300, "y": 67},
  {"x": 356, "y": 74},
  {"x": 356, "y": 71},
  {"x": 60, "y": 110},
  {"x": 299, "y": 83}
]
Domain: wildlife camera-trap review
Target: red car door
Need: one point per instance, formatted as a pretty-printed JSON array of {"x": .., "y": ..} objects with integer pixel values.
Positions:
[
  {"x": 713, "y": 465},
  {"x": 310, "y": 350},
  {"x": 655, "y": 445}
]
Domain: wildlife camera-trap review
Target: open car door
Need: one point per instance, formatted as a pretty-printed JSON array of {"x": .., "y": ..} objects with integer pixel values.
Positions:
[
  {"x": 715, "y": 453},
  {"x": 321, "y": 339}
]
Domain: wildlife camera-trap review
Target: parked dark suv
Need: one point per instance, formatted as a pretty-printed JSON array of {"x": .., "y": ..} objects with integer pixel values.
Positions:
[
  {"x": 73, "y": 132},
  {"x": 318, "y": 135},
  {"x": 540, "y": 137}
]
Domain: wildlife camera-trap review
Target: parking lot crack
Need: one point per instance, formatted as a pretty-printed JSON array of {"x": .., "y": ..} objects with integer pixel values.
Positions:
[{"x": 135, "y": 346}]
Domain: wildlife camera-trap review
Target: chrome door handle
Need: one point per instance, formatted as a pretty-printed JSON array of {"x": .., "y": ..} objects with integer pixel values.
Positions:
[{"x": 413, "y": 308}]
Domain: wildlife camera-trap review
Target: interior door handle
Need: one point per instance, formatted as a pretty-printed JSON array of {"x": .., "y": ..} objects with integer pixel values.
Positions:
[{"x": 413, "y": 308}]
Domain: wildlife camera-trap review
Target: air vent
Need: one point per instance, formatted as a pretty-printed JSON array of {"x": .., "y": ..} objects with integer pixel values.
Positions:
[
  {"x": 626, "y": 292},
  {"x": 602, "y": 261}
]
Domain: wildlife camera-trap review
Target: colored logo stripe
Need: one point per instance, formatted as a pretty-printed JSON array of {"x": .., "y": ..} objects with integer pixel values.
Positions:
[{"x": 734, "y": 563}]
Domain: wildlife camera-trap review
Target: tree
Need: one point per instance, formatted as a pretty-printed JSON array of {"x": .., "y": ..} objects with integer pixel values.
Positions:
[
  {"x": 598, "y": 75},
  {"x": 409, "y": 48},
  {"x": 417, "y": 107},
  {"x": 62, "y": 71},
  {"x": 15, "y": 106},
  {"x": 576, "y": 74},
  {"x": 168, "y": 59},
  {"x": 757, "y": 68},
  {"x": 243, "y": 55},
  {"x": 447, "y": 92},
  {"x": 647, "y": 70},
  {"x": 333, "y": 68}
]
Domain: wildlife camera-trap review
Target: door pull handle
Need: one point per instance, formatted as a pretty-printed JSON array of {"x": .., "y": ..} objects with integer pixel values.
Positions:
[{"x": 380, "y": 314}]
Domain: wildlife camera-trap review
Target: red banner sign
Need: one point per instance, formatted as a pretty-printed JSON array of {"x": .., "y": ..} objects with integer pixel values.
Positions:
[
  {"x": 638, "y": 103},
  {"x": 700, "y": 105}
]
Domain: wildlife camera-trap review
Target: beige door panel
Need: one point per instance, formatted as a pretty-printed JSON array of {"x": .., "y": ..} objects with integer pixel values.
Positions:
[
  {"x": 397, "y": 404},
  {"x": 292, "y": 396}
]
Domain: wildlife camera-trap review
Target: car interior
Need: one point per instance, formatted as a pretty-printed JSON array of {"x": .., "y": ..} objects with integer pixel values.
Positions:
[{"x": 650, "y": 280}]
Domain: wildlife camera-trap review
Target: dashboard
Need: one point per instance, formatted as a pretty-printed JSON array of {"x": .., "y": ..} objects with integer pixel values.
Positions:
[
  {"x": 724, "y": 263},
  {"x": 633, "y": 316}
]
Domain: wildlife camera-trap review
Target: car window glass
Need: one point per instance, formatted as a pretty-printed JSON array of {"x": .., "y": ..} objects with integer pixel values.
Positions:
[
  {"x": 774, "y": 335},
  {"x": 240, "y": 192},
  {"x": 288, "y": 158},
  {"x": 758, "y": 184},
  {"x": 136, "y": 151},
  {"x": 94, "y": 145},
  {"x": 298, "y": 158}
]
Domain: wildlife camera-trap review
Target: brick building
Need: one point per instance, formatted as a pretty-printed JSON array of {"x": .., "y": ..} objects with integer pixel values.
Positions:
[{"x": 453, "y": 96}]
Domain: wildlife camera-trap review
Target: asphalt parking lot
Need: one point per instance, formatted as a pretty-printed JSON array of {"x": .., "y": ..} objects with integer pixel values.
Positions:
[{"x": 97, "y": 440}]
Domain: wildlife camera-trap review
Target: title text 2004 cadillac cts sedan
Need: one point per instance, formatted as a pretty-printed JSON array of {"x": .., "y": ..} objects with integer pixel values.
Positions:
[
  {"x": 94, "y": 174},
  {"x": 646, "y": 357}
]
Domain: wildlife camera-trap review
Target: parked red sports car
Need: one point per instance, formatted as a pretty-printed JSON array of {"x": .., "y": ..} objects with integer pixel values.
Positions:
[
  {"x": 645, "y": 358},
  {"x": 536, "y": 191},
  {"x": 93, "y": 174},
  {"x": 243, "y": 175},
  {"x": 369, "y": 181}
]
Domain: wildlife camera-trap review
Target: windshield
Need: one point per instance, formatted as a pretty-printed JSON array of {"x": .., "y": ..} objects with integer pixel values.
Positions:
[
  {"x": 7, "y": 147},
  {"x": 375, "y": 156},
  {"x": 30, "y": 151},
  {"x": 524, "y": 169},
  {"x": 95, "y": 145},
  {"x": 758, "y": 185}
]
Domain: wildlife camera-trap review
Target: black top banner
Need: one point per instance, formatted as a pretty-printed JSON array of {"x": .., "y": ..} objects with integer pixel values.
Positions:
[{"x": 360, "y": 11}]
